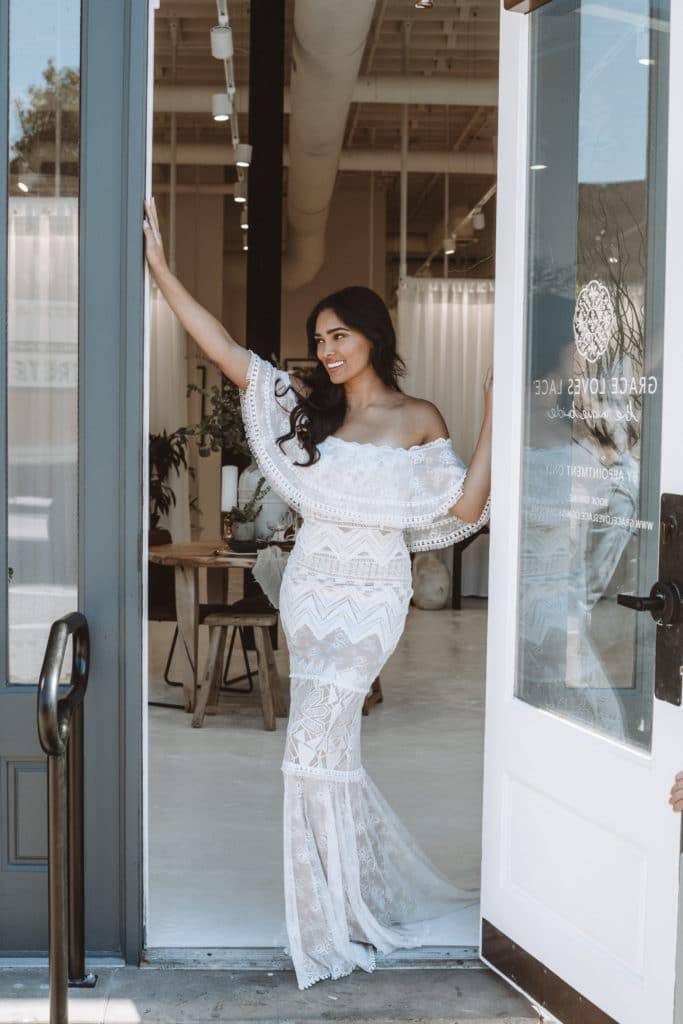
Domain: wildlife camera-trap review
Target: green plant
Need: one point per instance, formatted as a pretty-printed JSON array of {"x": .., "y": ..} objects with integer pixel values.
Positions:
[
  {"x": 166, "y": 452},
  {"x": 222, "y": 428},
  {"x": 245, "y": 513}
]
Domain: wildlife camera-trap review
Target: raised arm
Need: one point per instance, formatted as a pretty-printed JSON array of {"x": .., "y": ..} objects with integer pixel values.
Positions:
[{"x": 230, "y": 357}]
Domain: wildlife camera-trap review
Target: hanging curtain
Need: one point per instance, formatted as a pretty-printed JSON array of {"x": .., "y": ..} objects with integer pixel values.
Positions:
[
  {"x": 445, "y": 335},
  {"x": 42, "y": 424},
  {"x": 168, "y": 407}
]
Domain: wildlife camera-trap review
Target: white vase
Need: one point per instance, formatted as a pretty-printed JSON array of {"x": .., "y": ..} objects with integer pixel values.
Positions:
[
  {"x": 272, "y": 516},
  {"x": 243, "y": 531},
  {"x": 431, "y": 582},
  {"x": 274, "y": 510},
  {"x": 246, "y": 484}
]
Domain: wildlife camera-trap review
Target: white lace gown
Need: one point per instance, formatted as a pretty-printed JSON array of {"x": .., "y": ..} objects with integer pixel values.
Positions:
[{"x": 355, "y": 880}]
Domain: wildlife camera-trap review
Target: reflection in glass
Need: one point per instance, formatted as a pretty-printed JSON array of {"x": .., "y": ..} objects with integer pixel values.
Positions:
[
  {"x": 593, "y": 368},
  {"x": 42, "y": 330}
]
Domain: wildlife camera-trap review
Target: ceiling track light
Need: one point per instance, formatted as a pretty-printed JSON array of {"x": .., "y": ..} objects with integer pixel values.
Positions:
[
  {"x": 240, "y": 192},
  {"x": 478, "y": 220},
  {"x": 222, "y": 47},
  {"x": 424, "y": 5},
  {"x": 243, "y": 154},
  {"x": 221, "y": 106},
  {"x": 449, "y": 245},
  {"x": 244, "y": 219}
]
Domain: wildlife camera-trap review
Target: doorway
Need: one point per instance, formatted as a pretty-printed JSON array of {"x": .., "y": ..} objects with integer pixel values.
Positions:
[{"x": 214, "y": 793}]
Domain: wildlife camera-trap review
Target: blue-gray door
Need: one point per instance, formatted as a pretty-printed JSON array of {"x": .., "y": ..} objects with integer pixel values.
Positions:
[{"x": 72, "y": 137}]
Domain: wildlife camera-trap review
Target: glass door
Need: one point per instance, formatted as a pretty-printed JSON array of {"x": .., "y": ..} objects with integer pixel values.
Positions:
[
  {"x": 580, "y": 879},
  {"x": 72, "y": 141},
  {"x": 40, "y": 423}
]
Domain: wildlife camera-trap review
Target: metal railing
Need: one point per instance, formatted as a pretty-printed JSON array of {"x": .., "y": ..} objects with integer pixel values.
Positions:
[{"x": 60, "y": 730}]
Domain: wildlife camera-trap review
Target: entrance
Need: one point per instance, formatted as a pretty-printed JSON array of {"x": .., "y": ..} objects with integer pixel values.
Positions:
[
  {"x": 214, "y": 867},
  {"x": 580, "y": 848}
]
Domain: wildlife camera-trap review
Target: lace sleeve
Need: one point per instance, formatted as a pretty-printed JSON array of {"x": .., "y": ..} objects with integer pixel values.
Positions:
[
  {"x": 437, "y": 482},
  {"x": 266, "y": 404}
]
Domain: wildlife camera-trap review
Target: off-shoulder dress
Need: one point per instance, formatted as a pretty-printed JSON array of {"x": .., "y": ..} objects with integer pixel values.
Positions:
[{"x": 355, "y": 880}]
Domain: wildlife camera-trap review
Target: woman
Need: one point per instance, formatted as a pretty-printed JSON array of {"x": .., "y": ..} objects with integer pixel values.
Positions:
[{"x": 374, "y": 475}]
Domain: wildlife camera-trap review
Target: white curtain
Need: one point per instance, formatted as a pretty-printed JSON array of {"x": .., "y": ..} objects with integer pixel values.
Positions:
[
  {"x": 168, "y": 407},
  {"x": 445, "y": 335},
  {"x": 42, "y": 424}
]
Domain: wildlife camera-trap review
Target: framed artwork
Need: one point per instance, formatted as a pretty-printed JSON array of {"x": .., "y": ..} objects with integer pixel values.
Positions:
[{"x": 299, "y": 363}]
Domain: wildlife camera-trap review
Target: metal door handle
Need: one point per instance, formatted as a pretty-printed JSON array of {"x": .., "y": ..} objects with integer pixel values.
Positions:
[{"x": 664, "y": 602}]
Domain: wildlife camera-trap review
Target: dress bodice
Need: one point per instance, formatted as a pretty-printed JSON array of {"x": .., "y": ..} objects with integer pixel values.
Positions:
[{"x": 362, "y": 483}]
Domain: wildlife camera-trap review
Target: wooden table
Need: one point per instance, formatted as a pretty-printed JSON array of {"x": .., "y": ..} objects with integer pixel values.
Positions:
[{"x": 187, "y": 559}]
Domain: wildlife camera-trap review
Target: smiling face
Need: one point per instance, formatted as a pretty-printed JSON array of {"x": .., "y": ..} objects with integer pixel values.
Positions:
[{"x": 338, "y": 344}]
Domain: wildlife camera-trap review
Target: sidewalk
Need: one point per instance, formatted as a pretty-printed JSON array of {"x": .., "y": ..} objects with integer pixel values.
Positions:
[{"x": 126, "y": 995}]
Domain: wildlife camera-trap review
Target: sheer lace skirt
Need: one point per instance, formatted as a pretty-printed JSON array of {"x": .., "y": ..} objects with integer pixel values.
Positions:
[{"x": 355, "y": 879}]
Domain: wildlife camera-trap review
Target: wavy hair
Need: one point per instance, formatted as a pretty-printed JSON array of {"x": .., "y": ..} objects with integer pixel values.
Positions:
[{"x": 321, "y": 411}]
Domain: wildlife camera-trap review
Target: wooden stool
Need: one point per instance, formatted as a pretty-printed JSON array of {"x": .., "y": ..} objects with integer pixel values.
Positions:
[{"x": 272, "y": 702}]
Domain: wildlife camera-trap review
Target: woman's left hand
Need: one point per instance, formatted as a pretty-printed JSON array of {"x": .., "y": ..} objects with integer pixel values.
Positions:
[{"x": 676, "y": 795}]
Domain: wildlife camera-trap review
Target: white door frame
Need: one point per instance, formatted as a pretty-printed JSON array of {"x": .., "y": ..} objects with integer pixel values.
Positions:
[{"x": 506, "y": 716}]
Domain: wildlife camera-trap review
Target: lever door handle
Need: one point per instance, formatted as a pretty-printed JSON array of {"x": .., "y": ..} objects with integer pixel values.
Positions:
[
  {"x": 664, "y": 602},
  {"x": 641, "y": 604}
]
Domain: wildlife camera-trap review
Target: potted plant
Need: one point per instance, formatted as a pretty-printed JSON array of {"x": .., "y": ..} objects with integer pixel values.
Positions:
[
  {"x": 166, "y": 452},
  {"x": 243, "y": 517},
  {"x": 221, "y": 428}
]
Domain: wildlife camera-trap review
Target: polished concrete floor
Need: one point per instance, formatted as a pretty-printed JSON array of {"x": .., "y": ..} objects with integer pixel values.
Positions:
[{"x": 215, "y": 819}]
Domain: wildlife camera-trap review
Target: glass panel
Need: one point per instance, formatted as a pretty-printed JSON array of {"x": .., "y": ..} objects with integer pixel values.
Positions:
[
  {"x": 42, "y": 330},
  {"x": 590, "y": 492}
]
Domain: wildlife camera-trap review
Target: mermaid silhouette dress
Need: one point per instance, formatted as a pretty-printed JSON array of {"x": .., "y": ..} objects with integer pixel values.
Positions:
[{"x": 355, "y": 880}]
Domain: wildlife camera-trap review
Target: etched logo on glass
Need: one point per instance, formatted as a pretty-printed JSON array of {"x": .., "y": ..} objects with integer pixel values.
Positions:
[{"x": 594, "y": 319}]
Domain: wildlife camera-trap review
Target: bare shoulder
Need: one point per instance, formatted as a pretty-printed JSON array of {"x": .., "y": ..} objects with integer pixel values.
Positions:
[{"x": 428, "y": 421}]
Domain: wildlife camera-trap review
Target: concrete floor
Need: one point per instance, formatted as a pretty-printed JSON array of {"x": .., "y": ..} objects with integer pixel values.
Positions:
[
  {"x": 215, "y": 816},
  {"x": 130, "y": 996}
]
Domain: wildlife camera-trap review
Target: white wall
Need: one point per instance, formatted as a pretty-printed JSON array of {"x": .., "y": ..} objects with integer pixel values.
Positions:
[{"x": 199, "y": 264}]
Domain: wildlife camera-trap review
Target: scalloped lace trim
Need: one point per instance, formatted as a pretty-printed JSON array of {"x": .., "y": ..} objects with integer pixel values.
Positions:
[
  {"x": 446, "y": 531},
  {"x": 258, "y": 401}
]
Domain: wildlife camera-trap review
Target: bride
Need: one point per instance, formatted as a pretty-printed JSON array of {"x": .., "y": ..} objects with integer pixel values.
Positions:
[{"x": 374, "y": 476}]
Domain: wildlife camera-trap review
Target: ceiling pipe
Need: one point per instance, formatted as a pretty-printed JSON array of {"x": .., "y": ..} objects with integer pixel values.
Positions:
[
  {"x": 436, "y": 90},
  {"x": 439, "y": 90},
  {"x": 387, "y": 160},
  {"x": 329, "y": 39}
]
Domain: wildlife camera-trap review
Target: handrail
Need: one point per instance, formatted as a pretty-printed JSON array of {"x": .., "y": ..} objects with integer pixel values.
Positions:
[
  {"x": 54, "y": 715},
  {"x": 60, "y": 731}
]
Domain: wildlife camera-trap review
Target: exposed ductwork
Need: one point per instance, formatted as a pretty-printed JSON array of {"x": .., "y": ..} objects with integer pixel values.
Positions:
[
  {"x": 438, "y": 90},
  {"x": 328, "y": 44},
  {"x": 388, "y": 160}
]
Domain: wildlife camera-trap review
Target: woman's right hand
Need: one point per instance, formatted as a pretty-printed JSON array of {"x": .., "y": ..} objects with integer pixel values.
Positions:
[{"x": 154, "y": 246}]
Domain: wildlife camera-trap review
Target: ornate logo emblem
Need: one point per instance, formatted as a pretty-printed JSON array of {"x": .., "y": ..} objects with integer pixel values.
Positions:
[{"x": 594, "y": 319}]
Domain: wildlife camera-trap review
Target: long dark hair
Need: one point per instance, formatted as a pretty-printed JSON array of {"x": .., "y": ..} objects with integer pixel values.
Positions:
[{"x": 322, "y": 409}]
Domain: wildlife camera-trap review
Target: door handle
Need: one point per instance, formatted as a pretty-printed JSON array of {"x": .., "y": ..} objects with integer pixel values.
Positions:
[{"x": 664, "y": 602}]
